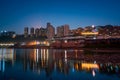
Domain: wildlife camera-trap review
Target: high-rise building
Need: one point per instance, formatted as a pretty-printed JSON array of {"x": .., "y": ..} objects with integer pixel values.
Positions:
[
  {"x": 37, "y": 32},
  {"x": 32, "y": 32},
  {"x": 63, "y": 30},
  {"x": 66, "y": 30},
  {"x": 60, "y": 31},
  {"x": 43, "y": 31},
  {"x": 26, "y": 32},
  {"x": 50, "y": 31}
]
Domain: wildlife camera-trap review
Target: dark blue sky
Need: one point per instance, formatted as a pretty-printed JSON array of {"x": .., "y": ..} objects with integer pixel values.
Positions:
[{"x": 17, "y": 14}]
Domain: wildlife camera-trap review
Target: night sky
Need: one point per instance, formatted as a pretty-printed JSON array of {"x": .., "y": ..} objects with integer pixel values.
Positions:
[{"x": 17, "y": 14}]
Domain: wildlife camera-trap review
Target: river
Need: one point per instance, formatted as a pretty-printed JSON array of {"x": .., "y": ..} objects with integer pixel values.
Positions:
[{"x": 58, "y": 64}]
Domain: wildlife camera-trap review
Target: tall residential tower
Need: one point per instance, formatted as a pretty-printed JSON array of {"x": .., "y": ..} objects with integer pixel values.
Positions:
[
  {"x": 32, "y": 32},
  {"x": 50, "y": 31},
  {"x": 26, "y": 32},
  {"x": 63, "y": 30}
]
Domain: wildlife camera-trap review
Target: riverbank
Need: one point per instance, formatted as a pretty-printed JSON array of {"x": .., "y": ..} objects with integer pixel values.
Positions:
[
  {"x": 99, "y": 50},
  {"x": 104, "y": 50}
]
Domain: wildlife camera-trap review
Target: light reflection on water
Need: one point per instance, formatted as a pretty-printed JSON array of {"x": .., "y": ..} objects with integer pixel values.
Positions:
[{"x": 52, "y": 64}]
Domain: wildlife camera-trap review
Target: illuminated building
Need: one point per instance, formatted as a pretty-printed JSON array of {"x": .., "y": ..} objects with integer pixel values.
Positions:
[
  {"x": 32, "y": 32},
  {"x": 63, "y": 30},
  {"x": 89, "y": 33},
  {"x": 50, "y": 31},
  {"x": 76, "y": 32},
  {"x": 40, "y": 43},
  {"x": 109, "y": 30},
  {"x": 3, "y": 33},
  {"x": 89, "y": 28},
  {"x": 26, "y": 32},
  {"x": 7, "y": 33}
]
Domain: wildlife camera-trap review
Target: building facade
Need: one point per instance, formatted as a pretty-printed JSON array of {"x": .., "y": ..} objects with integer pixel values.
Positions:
[
  {"x": 42, "y": 32},
  {"x": 26, "y": 32},
  {"x": 7, "y": 33},
  {"x": 66, "y": 30},
  {"x": 32, "y": 32},
  {"x": 37, "y": 32},
  {"x": 50, "y": 31},
  {"x": 63, "y": 31}
]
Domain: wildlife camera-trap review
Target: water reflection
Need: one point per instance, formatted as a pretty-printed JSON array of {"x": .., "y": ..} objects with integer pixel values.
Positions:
[
  {"x": 6, "y": 54},
  {"x": 59, "y": 61}
]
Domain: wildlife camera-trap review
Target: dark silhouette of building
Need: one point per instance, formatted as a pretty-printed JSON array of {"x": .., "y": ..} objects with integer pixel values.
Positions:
[
  {"x": 32, "y": 32},
  {"x": 7, "y": 33},
  {"x": 26, "y": 32},
  {"x": 37, "y": 32}
]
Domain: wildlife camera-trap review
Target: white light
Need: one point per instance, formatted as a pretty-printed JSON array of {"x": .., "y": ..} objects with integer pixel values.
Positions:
[
  {"x": 65, "y": 56},
  {"x": 93, "y": 26},
  {"x": 93, "y": 73},
  {"x": 9, "y": 44},
  {"x": 37, "y": 54},
  {"x": 94, "y": 37},
  {"x": 65, "y": 41}
]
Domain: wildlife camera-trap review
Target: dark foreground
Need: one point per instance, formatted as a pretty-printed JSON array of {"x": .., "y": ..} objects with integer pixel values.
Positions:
[{"x": 59, "y": 64}]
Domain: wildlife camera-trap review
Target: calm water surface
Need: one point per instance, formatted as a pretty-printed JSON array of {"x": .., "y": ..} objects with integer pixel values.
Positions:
[{"x": 58, "y": 64}]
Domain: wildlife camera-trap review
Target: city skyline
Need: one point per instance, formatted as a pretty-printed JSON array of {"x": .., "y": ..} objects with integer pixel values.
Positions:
[{"x": 17, "y": 14}]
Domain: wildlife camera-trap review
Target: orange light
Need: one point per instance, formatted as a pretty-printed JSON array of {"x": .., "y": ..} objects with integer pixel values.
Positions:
[
  {"x": 89, "y": 33},
  {"x": 76, "y": 66},
  {"x": 33, "y": 43},
  {"x": 89, "y": 65}
]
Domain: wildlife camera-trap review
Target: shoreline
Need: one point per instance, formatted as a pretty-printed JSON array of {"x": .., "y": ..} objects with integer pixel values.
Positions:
[{"x": 111, "y": 50}]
